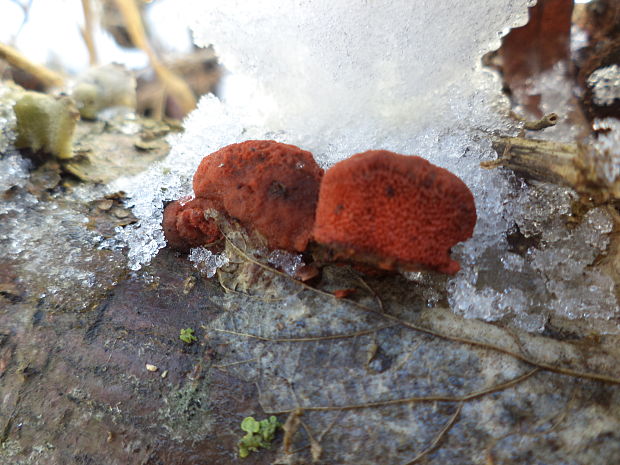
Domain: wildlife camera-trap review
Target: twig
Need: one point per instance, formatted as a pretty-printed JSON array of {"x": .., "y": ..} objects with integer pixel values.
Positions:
[
  {"x": 87, "y": 32},
  {"x": 176, "y": 86},
  {"x": 576, "y": 166},
  {"x": 373, "y": 292},
  {"x": 438, "y": 438},
  {"x": 420, "y": 399},
  {"x": 26, "y": 11},
  {"x": 241, "y": 362},
  {"x": 315, "y": 447},
  {"x": 548, "y": 120},
  {"x": 309, "y": 338},
  {"x": 538, "y": 159},
  {"x": 545, "y": 122},
  {"x": 48, "y": 77}
]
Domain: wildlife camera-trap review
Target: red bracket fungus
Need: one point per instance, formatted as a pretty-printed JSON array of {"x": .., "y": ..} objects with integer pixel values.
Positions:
[
  {"x": 376, "y": 208},
  {"x": 269, "y": 187},
  {"x": 393, "y": 211}
]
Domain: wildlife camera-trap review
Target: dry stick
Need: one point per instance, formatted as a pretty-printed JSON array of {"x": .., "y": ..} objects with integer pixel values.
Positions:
[
  {"x": 573, "y": 165},
  {"x": 557, "y": 421},
  {"x": 48, "y": 77},
  {"x": 373, "y": 292},
  {"x": 315, "y": 447},
  {"x": 542, "y": 160},
  {"x": 309, "y": 338},
  {"x": 548, "y": 120},
  {"x": 176, "y": 86},
  {"x": 410, "y": 400},
  {"x": 241, "y": 362},
  {"x": 406, "y": 324},
  {"x": 87, "y": 32},
  {"x": 438, "y": 438},
  {"x": 26, "y": 11}
]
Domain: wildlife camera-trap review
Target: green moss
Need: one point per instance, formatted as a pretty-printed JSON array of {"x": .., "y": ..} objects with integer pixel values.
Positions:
[
  {"x": 259, "y": 434},
  {"x": 187, "y": 335}
]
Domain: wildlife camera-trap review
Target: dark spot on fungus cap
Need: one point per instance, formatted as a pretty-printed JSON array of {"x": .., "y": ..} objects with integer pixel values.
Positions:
[
  {"x": 393, "y": 211},
  {"x": 270, "y": 187},
  {"x": 276, "y": 189}
]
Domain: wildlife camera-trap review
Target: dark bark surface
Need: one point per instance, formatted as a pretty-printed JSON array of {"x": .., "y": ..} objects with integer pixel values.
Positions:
[{"x": 75, "y": 389}]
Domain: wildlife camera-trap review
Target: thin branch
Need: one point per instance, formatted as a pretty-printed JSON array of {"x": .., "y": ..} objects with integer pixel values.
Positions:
[
  {"x": 26, "y": 11},
  {"x": 241, "y": 362},
  {"x": 87, "y": 32},
  {"x": 542, "y": 160},
  {"x": 48, "y": 77},
  {"x": 309, "y": 338},
  {"x": 548, "y": 120},
  {"x": 577, "y": 166},
  {"x": 373, "y": 292},
  {"x": 409, "y": 400},
  {"x": 438, "y": 438},
  {"x": 175, "y": 86}
]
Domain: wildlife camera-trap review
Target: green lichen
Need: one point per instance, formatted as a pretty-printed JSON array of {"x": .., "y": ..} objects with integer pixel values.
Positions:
[
  {"x": 259, "y": 434},
  {"x": 187, "y": 335}
]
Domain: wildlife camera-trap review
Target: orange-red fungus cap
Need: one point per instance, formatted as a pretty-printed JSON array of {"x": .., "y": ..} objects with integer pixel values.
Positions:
[
  {"x": 394, "y": 211},
  {"x": 270, "y": 187}
]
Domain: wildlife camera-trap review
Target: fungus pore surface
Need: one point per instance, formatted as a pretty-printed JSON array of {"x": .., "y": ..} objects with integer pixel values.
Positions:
[
  {"x": 269, "y": 187},
  {"x": 394, "y": 211}
]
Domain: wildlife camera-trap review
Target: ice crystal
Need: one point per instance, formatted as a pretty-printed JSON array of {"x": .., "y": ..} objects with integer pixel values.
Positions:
[
  {"x": 605, "y": 84},
  {"x": 206, "y": 262}
]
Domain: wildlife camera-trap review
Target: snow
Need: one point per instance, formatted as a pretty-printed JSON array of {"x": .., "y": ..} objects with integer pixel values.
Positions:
[
  {"x": 8, "y": 119},
  {"x": 608, "y": 147},
  {"x": 14, "y": 171},
  {"x": 288, "y": 262},
  {"x": 206, "y": 262},
  {"x": 57, "y": 255},
  {"x": 605, "y": 83}
]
